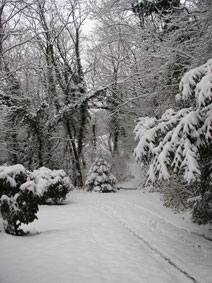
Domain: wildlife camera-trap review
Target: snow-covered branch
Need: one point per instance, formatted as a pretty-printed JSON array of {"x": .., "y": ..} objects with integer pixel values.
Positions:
[{"x": 173, "y": 142}]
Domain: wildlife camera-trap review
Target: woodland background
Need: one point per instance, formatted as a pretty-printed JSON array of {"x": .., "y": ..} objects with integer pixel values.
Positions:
[{"x": 76, "y": 76}]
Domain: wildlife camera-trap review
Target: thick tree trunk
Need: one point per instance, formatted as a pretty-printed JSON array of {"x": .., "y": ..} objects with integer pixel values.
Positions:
[
  {"x": 1, "y": 34},
  {"x": 83, "y": 119},
  {"x": 78, "y": 180}
]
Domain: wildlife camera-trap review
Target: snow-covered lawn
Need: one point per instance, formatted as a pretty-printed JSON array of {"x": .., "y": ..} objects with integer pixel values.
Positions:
[{"x": 123, "y": 237}]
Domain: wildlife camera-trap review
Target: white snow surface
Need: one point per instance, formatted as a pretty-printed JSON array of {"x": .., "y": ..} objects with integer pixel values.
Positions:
[{"x": 123, "y": 237}]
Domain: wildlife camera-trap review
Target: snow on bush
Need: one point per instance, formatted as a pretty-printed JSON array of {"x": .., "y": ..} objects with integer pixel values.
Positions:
[
  {"x": 99, "y": 178},
  {"x": 18, "y": 209},
  {"x": 11, "y": 178},
  {"x": 180, "y": 141},
  {"x": 18, "y": 201},
  {"x": 21, "y": 192},
  {"x": 51, "y": 185}
]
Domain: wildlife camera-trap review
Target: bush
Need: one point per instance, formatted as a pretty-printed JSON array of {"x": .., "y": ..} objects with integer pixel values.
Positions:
[
  {"x": 7, "y": 185},
  {"x": 19, "y": 203},
  {"x": 99, "y": 178},
  {"x": 18, "y": 209},
  {"x": 202, "y": 211},
  {"x": 11, "y": 178},
  {"x": 52, "y": 186},
  {"x": 178, "y": 195},
  {"x": 19, "y": 198}
]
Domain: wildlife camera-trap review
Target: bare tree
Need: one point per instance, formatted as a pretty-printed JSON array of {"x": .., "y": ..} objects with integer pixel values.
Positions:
[{"x": 58, "y": 42}]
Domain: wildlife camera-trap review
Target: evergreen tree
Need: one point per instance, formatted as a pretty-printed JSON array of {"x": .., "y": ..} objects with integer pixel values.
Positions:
[
  {"x": 99, "y": 178},
  {"x": 180, "y": 141}
]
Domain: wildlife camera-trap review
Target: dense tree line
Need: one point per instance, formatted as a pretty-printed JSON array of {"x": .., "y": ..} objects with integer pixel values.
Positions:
[{"x": 43, "y": 90}]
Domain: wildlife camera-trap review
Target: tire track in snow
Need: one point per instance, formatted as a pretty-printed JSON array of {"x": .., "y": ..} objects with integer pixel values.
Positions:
[
  {"x": 111, "y": 213},
  {"x": 172, "y": 224},
  {"x": 162, "y": 220}
]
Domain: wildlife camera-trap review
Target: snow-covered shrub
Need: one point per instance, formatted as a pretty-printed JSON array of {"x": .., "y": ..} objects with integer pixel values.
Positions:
[
  {"x": 11, "y": 178},
  {"x": 99, "y": 178},
  {"x": 180, "y": 141},
  {"x": 20, "y": 208},
  {"x": 51, "y": 185},
  {"x": 18, "y": 199}
]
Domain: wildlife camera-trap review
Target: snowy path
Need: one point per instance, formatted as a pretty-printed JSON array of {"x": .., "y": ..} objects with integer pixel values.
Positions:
[{"x": 127, "y": 237}]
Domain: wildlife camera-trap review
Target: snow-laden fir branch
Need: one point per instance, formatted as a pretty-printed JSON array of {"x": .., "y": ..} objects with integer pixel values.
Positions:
[{"x": 173, "y": 142}]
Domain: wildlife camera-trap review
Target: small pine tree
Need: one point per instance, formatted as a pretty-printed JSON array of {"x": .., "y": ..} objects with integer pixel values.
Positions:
[{"x": 99, "y": 178}]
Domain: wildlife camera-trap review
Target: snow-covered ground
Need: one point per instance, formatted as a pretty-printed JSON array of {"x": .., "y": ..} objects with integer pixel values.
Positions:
[{"x": 123, "y": 237}]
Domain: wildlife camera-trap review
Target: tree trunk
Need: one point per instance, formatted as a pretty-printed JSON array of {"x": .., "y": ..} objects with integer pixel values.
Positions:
[{"x": 78, "y": 180}]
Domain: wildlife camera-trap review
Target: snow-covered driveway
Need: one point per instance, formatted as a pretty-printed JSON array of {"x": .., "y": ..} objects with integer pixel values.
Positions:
[{"x": 126, "y": 237}]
